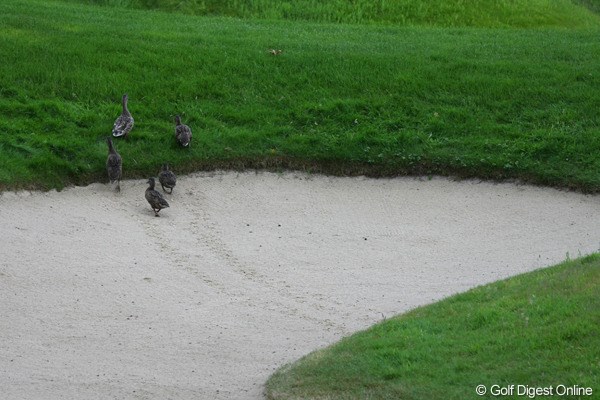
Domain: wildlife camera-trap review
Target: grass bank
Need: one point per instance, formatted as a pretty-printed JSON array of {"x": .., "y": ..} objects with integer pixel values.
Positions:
[
  {"x": 538, "y": 329},
  {"x": 339, "y": 99},
  {"x": 447, "y": 13}
]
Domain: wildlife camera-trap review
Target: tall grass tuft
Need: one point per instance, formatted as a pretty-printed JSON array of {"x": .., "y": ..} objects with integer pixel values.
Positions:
[{"x": 447, "y": 13}]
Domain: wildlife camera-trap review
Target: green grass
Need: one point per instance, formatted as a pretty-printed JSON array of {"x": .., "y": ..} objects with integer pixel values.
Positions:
[
  {"x": 477, "y": 13},
  {"x": 340, "y": 99},
  {"x": 537, "y": 329}
]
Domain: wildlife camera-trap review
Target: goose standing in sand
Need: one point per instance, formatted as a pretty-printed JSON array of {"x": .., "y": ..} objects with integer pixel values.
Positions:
[
  {"x": 114, "y": 164},
  {"x": 167, "y": 178},
  {"x": 157, "y": 202},
  {"x": 183, "y": 133},
  {"x": 124, "y": 123}
]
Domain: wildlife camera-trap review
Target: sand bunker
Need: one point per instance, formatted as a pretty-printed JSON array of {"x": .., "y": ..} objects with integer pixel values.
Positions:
[{"x": 246, "y": 272}]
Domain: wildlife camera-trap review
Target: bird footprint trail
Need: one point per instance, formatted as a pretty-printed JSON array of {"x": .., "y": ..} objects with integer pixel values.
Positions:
[{"x": 198, "y": 248}]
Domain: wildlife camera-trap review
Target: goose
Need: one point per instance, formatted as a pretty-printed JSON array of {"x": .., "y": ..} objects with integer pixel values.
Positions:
[
  {"x": 167, "y": 178},
  {"x": 114, "y": 164},
  {"x": 183, "y": 133},
  {"x": 157, "y": 202},
  {"x": 124, "y": 123}
]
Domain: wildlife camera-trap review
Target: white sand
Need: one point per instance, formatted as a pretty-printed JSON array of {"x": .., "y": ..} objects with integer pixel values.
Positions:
[{"x": 246, "y": 272}]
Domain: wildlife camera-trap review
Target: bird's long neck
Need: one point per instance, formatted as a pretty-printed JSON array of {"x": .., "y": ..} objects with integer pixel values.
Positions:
[
  {"x": 125, "y": 110},
  {"x": 111, "y": 148},
  {"x": 178, "y": 120}
]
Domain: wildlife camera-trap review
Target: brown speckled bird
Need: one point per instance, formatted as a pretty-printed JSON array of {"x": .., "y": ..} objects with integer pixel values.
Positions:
[
  {"x": 124, "y": 122},
  {"x": 183, "y": 133},
  {"x": 167, "y": 178},
  {"x": 155, "y": 199},
  {"x": 114, "y": 164}
]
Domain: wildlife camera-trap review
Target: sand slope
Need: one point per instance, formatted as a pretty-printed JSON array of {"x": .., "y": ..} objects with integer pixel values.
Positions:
[{"x": 245, "y": 272}]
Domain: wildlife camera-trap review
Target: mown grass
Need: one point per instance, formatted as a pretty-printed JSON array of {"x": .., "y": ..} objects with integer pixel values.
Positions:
[
  {"x": 456, "y": 13},
  {"x": 538, "y": 329},
  {"x": 341, "y": 99}
]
